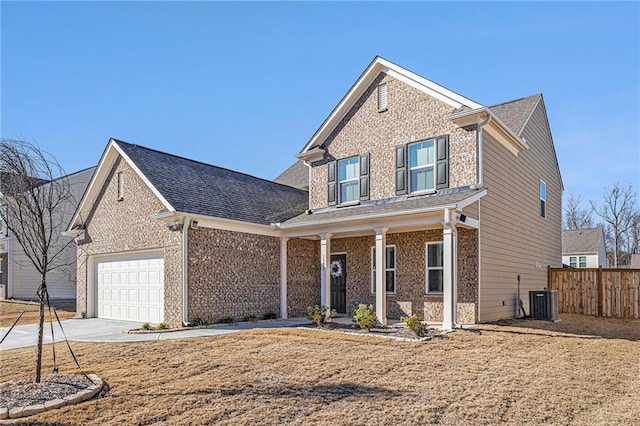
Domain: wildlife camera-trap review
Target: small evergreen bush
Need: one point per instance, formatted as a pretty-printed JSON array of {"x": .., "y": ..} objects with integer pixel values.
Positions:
[
  {"x": 414, "y": 324},
  {"x": 269, "y": 316},
  {"x": 318, "y": 314},
  {"x": 162, "y": 326},
  {"x": 365, "y": 316},
  {"x": 146, "y": 326},
  {"x": 199, "y": 321},
  {"x": 227, "y": 320},
  {"x": 250, "y": 318}
]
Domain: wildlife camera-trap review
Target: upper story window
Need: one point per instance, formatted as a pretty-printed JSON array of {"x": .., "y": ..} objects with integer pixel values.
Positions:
[
  {"x": 390, "y": 269},
  {"x": 348, "y": 180},
  {"x": 422, "y": 166},
  {"x": 578, "y": 261},
  {"x": 543, "y": 199}
]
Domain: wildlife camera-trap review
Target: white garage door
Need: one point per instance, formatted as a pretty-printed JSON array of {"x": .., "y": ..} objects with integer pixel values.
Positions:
[{"x": 131, "y": 288}]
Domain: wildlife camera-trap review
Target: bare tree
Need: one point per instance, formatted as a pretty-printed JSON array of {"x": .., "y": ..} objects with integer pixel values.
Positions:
[
  {"x": 618, "y": 212},
  {"x": 35, "y": 197},
  {"x": 575, "y": 217}
]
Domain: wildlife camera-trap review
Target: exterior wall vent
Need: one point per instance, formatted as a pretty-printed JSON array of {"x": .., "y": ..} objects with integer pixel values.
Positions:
[{"x": 382, "y": 97}]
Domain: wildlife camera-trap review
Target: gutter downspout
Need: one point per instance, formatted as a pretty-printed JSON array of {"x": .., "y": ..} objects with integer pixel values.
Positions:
[
  {"x": 308, "y": 164},
  {"x": 185, "y": 281},
  {"x": 479, "y": 160},
  {"x": 9, "y": 290}
]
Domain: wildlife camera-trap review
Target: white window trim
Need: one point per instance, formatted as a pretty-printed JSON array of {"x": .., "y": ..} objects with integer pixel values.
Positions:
[
  {"x": 340, "y": 182},
  {"x": 574, "y": 263},
  {"x": 542, "y": 182},
  {"x": 580, "y": 261},
  {"x": 432, "y": 165},
  {"x": 387, "y": 269},
  {"x": 433, "y": 268}
]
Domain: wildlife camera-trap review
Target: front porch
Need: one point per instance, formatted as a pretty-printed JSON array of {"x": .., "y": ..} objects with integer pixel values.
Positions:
[{"x": 428, "y": 266}]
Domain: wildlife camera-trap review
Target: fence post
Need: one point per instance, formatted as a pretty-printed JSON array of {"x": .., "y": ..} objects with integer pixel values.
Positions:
[
  {"x": 549, "y": 277},
  {"x": 600, "y": 286}
]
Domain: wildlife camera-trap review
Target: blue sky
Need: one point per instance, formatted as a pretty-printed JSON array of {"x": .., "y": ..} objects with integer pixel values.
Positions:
[{"x": 245, "y": 85}]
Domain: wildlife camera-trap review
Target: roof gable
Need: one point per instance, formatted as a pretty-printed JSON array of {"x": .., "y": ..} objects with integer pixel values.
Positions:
[
  {"x": 515, "y": 114},
  {"x": 296, "y": 175},
  {"x": 192, "y": 187},
  {"x": 377, "y": 66}
]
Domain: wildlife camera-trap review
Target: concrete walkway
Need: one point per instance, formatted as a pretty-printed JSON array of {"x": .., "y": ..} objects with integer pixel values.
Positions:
[{"x": 105, "y": 330}]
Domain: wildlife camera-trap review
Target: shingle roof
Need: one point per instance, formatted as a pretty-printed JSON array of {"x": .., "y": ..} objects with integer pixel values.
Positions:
[
  {"x": 383, "y": 207},
  {"x": 10, "y": 183},
  {"x": 581, "y": 240},
  {"x": 515, "y": 113},
  {"x": 297, "y": 175},
  {"x": 199, "y": 188}
]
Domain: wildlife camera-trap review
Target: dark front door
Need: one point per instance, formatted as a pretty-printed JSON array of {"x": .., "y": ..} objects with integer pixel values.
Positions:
[{"x": 339, "y": 283}]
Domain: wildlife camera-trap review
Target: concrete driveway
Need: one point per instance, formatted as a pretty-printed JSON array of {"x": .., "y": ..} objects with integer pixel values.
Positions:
[{"x": 105, "y": 330}]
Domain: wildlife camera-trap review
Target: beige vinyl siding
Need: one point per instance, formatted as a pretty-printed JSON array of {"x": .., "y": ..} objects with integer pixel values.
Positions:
[
  {"x": 61, "y": 282},
  {"x": 514, "y": 238}
]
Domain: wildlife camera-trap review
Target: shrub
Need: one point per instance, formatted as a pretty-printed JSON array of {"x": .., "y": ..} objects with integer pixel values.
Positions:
[
  {"x": 227, "y": 320},
  {"x": 250, "y": 318},
  {"x": 199, "y": 321},
  {"x": 146, "y": 326},
  {"x": 365, "y": 317},
  {"x": 162, "y": 326},
  {"x": 269, "y": 316},
  {"x": 318, "y": 314},
  {"x": 414, "y": 324}
]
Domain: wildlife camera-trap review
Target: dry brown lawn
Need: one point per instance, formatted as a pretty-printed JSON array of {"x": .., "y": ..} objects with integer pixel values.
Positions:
[
  {"x": 523, "y": 373},
  {"x": 10, "y": 310}
]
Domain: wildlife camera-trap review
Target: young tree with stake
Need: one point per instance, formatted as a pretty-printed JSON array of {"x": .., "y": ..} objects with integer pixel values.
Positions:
[{"x": 35, "y": 200}]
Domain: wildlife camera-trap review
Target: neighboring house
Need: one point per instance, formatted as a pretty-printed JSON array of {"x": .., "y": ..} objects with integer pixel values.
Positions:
[
  {"x": 19, "y": 277},
  {"x": 584, "y": 248},
  {"x": 420, "y": 201}
]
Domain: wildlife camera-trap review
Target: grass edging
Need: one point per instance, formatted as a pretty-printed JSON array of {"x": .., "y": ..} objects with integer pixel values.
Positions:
[{"x": 197, "y": 327}]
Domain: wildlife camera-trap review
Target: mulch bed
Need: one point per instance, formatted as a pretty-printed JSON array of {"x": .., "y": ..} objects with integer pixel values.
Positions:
[
  {"x": 401, "y": 333},
  {"x": 25, "y": 392}
]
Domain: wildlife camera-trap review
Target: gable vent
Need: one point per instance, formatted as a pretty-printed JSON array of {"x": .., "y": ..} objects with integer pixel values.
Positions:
[{"x": 382, "y": 97}]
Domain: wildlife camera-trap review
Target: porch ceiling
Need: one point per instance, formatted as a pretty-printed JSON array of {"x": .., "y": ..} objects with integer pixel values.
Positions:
[{"x": 400, "y": 214}]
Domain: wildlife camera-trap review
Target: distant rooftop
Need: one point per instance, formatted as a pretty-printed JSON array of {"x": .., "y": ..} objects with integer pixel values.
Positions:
[{"x": 582, "y": 240}]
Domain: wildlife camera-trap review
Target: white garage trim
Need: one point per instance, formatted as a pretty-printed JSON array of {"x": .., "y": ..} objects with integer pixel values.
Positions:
[{"x": 127, "y": 286}]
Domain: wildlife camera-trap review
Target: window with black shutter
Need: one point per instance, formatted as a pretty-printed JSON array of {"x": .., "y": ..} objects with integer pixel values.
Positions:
[
  {"x": 348, "y": 180},
  {"x": 422, "y": 166}
]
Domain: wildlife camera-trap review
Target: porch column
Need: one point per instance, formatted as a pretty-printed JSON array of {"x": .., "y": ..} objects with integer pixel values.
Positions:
[
  {"x": 325, "y": 270},
  {"x": 381, "y": 275},
  {"x": 449, "y": 277},
  {"x": 283, "y": 277}
]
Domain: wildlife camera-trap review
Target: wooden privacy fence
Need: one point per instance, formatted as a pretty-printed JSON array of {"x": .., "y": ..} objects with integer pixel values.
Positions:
[{"x": 597, "y": 291}]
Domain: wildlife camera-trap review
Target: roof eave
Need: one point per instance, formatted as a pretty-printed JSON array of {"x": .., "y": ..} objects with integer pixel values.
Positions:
[
  {"x": 314, "y": 154},
  {"x": 458, "y": 205},
  {"x": 495, "y": 127}
]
